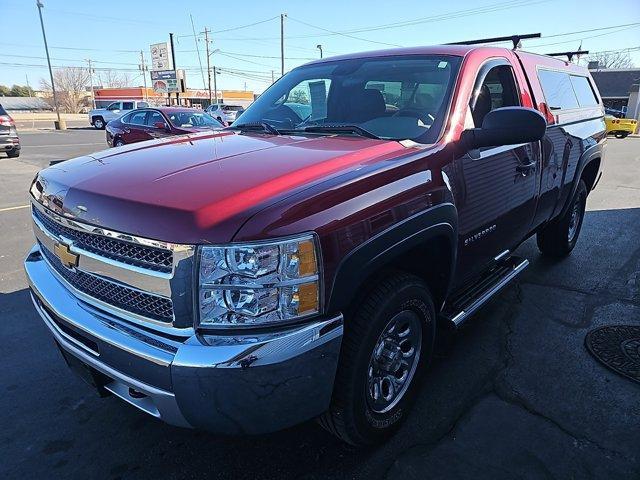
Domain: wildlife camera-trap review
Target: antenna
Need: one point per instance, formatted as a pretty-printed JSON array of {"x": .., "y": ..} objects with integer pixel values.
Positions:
[
  {"x": 569, "y": 55},
  {"x": 516, "y": 39}
]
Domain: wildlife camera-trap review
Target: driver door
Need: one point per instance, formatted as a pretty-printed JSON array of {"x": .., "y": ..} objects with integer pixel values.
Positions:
[{"x": 495, "y": 187}]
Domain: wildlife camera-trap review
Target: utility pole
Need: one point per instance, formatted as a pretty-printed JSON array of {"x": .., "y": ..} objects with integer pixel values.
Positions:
[
  {"x": 93, "y": 94},
  {"x": 206, "y": 42},
  {"x": 143, "y": 68},
  {"x": 282, "y": 15},
  {"x": 319, "y": 47},
  {"x": 60, "y": 125},
  {"x": 173, "y": 60}
]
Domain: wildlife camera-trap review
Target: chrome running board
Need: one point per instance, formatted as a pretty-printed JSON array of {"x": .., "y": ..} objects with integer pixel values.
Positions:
[{"x": 470, "y": 299}]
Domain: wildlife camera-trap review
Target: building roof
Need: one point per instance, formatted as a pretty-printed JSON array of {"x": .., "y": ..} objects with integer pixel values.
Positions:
[
  {"x": 615, "y": 82},
  {"x": 24, "y": 103}
]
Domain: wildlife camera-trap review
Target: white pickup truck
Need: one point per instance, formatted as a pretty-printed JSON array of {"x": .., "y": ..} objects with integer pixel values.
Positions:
[{"x": 99, "y": 117}]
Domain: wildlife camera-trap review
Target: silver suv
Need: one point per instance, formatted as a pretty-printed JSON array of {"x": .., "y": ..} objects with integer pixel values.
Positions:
[
  {"x": 225, "y": 113},
  {"x": 99, "y": 117}
]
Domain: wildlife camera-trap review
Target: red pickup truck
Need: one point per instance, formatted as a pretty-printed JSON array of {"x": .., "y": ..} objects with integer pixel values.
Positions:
[{"x": 300, "y": 263}]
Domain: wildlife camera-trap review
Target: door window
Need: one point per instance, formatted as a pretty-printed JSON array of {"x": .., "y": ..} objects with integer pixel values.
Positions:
[
  {"x": 498, "y": 90},
  {"x": 137, "y": 118},
  {"x": 154, "y": 117},
  {"x": 127, "y": 105},
  {"x": 557, "y": 90},
  {"x": 584, "y": 92},
  {"x": 114, "y": 106}
]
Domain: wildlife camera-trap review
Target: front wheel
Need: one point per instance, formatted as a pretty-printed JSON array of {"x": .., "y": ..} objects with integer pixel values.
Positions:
[
  {"x": 387, "y": 345},
  {"x": 561, "y": 235},
  {"x": 118, "y": 143},
  {"x": 98, "y": 123}
]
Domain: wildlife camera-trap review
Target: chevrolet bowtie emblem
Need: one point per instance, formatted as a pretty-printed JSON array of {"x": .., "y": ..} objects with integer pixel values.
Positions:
[{"x": 66, "y": 256}]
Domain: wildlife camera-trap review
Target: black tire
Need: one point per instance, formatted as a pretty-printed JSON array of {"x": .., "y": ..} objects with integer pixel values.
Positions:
[
  {"x": 118, "y": 142},
  {"x": 621, "y": 135},
  {"x": 351, "y": 416},
  {"x": 561, "y": 235},
  {"x": 13, "y": 154},
  {"x": 99, "y": 123}
]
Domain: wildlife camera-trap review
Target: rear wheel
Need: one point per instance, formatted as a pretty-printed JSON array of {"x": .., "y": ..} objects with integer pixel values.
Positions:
[
  {"x": 387, "y": 345},
  {"x": 98, "y": 123},
  {"x": 561, "y": 235},
  {"x": 621, "y": 135},
  {"x": 13, "y": 153}
]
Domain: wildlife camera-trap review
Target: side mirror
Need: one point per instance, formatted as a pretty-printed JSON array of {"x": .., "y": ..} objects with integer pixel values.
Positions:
[
  {"x": 506, "y": 126},
  {"x": 160, "y": 126},
  {"x": 117, "y": 110}
]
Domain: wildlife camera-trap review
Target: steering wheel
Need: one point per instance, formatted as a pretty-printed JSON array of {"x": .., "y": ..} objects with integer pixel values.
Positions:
[{"x": 421, "y": 115}]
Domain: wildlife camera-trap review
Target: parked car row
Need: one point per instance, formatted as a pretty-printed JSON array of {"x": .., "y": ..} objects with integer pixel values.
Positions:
[
  {"x": 99, "y": 117},
  {"x": 149, "y": 123}
]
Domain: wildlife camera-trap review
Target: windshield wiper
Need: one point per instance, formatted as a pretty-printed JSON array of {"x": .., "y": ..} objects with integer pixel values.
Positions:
[
  {"x": 339, "y": 128},
  {"x": 255, "y": 126}
]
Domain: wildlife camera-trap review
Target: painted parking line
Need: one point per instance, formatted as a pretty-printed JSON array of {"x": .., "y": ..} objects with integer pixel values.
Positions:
[
  {"x": 63, "y": 145},
  {"x": 19, "y": 207}
]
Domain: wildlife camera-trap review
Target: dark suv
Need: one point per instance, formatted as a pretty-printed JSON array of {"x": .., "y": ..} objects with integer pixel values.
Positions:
[
  {"x": 9, "y": 141},
  {"x": 300, "y": 263}
]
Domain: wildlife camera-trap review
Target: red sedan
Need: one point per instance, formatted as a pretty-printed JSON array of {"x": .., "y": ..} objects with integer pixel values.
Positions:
[{"x": 149, "y": 123}]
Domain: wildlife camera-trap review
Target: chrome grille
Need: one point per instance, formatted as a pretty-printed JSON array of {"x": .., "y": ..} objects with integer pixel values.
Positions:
[
  {"x": 155, "y": 259},
  {"x": 131, "y": 300}
]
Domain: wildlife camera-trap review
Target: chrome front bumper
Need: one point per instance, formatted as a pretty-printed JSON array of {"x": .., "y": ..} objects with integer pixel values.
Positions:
[{"x": 240, "y": 384}]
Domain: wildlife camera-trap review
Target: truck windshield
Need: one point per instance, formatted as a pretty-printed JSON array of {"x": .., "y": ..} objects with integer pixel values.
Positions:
[{"x": 393, "y": 97}]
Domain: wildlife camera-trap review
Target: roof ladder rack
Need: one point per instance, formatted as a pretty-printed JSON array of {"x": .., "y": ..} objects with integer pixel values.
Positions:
[
  {"x": 516, "y": 39},
  {"x": 569, "y": 55}
]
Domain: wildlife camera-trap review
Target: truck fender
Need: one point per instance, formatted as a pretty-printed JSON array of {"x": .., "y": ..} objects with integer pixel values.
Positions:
[
  {"x": 593, "y": 153},
  {"x": 380, "y": 251}
]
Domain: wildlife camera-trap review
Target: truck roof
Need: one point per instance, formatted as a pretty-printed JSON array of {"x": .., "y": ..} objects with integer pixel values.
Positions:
[{"x": 460, "y": 51}]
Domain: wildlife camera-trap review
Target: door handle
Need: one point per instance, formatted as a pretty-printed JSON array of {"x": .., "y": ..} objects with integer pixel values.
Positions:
[{"x": 526, "y": 168}]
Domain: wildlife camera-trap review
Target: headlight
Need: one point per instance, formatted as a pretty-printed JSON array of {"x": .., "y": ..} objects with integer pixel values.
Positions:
[{"x": 258, "y": 284}]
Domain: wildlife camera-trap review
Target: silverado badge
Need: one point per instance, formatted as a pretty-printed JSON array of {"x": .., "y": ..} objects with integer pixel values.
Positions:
[{"x": 66, "y": 256}]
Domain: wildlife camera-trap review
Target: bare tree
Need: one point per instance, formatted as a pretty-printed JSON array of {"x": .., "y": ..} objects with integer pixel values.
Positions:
[
  {"x": 71, "y": 88},
  {"x": 113, "y": 79},
  {"x": 621, "y": 59}
]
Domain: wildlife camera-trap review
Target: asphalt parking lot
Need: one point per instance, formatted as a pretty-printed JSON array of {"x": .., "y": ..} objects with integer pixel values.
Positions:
[{"x": 513, "y": 395}]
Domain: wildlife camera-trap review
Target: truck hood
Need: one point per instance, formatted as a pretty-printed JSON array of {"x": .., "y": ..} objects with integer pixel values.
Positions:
[{"x": 197, "y": 188}]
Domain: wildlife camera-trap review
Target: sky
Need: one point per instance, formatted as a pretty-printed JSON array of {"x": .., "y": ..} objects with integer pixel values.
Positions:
[{"x": 246, "y": 33}]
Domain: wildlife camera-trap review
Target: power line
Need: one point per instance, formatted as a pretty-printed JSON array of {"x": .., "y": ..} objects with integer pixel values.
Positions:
[{"x": 343, "y": 34}]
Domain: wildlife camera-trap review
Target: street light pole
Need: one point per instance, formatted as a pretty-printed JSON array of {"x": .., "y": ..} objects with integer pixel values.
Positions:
[
  {"x": 319, "y": 47},
  {"x": 59, "y": 125},
  {"x": 282, "y": 15},
  {"x": 206, "y": 42},
  {"x": 215, "y": 84}
]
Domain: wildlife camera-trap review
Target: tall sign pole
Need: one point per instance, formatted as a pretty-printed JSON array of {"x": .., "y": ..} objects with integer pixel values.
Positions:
[
  {"x": 206, "y": 42},
  {"x": 173, "y": 60},
  {"x": 282, "y": 15},
  {"x": 59, "y": 125}
]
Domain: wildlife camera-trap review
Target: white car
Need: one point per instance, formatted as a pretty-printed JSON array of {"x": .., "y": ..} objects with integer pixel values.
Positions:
[
  {"x": 99, "y": 117},
  {"x": 225, "y": 113}
]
